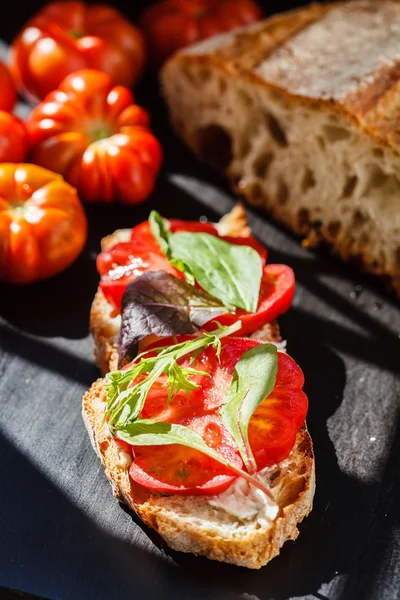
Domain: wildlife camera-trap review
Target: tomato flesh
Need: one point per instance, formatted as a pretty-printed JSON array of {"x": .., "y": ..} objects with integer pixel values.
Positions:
[{"x": 273, "y": 428}]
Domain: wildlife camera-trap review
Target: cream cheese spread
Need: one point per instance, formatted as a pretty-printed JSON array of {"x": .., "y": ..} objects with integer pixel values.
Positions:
[{"x": 246, "y": 502}]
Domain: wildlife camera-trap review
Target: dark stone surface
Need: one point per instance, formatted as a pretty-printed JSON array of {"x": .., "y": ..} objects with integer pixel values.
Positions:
[{"x": 62, "y": 535}]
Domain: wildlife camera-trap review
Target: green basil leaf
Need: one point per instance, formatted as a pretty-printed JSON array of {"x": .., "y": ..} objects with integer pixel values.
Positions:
[
  {"x": 253, "y": 380},
  {"x": 146, "y": 432},
  {"x": 228, "y": 272},
  {"x": 159, "y": 303},
  {"x": 159, "y": 228}
]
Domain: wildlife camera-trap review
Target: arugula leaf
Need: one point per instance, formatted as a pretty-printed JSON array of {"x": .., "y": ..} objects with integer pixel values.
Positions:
[
  {"x": 229, "y": 272},
  {"x": 125, "y": 402},
  {"x": 146, "y": 432},
  {"x": 159, "y": 303},
  {"x": 253, "y": 380}
]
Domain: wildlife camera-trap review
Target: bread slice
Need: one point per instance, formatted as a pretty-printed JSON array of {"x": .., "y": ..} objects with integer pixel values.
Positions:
[
  {"x": 105, "y": 323},
  {"x": 198, "y": 524},
  {"x": 302, "y": 113}
]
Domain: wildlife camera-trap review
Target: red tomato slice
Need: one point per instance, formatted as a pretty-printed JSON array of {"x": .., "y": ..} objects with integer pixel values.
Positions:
[
  {"x": 272, "y": 431},
  {"x": 122, "y": 263},
  {"x": 276, "y": 294},
  {"x": 177, "y": 469}
]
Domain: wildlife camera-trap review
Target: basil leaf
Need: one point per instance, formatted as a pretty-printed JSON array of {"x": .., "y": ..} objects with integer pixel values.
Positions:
[
  {"x": 147, "y": 432},
  {"x": 253, "y": 380},
  {"x": 159, "y": 228},
  {"x": 160, "y": 304},
  {"x": 228, "y": 272}
]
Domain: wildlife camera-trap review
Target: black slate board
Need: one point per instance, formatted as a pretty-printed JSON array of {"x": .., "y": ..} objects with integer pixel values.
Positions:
[{"x": 62, "y": 534}]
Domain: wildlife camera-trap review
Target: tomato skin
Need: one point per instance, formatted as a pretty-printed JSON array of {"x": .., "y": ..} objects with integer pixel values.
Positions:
[
  {"x": 173, "y": 24},
  {"x": 43, "y": 226},
  {"x": 14, "y": 138},
  {"x": 8, "y": 95},
  {"x": 272, "y": 429},
  {"x": 66, "y": 36},
  {"x": 97, "y": 138},
  {"x": 276, "y": 295}
]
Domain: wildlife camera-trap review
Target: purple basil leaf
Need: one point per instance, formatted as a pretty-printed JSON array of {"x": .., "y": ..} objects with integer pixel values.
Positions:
[{"x": 159, "y": 303}]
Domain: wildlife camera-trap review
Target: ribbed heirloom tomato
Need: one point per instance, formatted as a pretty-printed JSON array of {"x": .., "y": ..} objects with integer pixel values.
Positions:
[
  {"x": 66, "y": 36},
  {"x": 8, "y": 95},
  {"x": 97, "y": 138},
  {"x": 173, "y": 24},
  {"x": 42, "y": 223},
  {"x": 14, "y": 138},
  {"x": 272, "y": 430}
]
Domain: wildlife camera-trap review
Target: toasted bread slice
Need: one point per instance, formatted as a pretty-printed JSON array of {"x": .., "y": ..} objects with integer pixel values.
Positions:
[
  {"x": 193, "y": 523},
  {"x": 200, "y": 524},
  {"x": 105, "y": 323}
]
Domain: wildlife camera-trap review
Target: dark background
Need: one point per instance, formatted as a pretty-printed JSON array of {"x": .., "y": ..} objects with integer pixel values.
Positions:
[{"x": 62, "y": 535}]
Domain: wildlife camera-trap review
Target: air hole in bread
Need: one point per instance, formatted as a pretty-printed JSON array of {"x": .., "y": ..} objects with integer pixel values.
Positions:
[
  {"x": 221, "y": 86},
  {"x": 397, "y": 255},
  {"x": 283, "y": 192},
  {"x": 378, "y": 152},
  {"x": 349, "y": 186},
  {"x": 244, "y": 99},
  {"x": 379, "y": 179},
  {"x": 261, "y": 164},
  {"x": 321, "y": 142},
  {"x": 215, "y": 146},
  {"x": 308, "y": 180},
  {"x": 335, "y": 134},
  {"x": 204, "y": 77},
  {"x": 276, "y": 130},
  {"x": 359, "y": 218},
  {"x": 291, "y": 492},
  {"x": 334, "y": 228}
]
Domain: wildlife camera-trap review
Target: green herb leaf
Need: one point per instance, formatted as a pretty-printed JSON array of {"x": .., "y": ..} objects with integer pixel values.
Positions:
[
  {"x": 159, "y": 228},
  {"x": 228, "y": 272},
  {"x": 125, "y": 402},
  {"x": 146, "y": 432},
  {"x": 253, "y": 380}
]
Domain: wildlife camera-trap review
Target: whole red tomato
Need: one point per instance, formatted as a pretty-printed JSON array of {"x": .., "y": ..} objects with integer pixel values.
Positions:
[
  {"x": 42, "y": 223},
  {"x": 66, "y": 36},
  {"x": 13, "y": 138},
  {"x": 8, "y": 95},
  {"x": 173, "y": 24},
  {"x": 93, "y": 134}
]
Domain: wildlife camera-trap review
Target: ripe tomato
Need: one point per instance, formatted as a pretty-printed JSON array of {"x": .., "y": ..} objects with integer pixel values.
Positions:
[
  {"x": 122, "y": 263},
  {"x": 173, "y": 24},
  {"x": 93, "y": 134},
  {"x": 272, "y": 430},
  {"x": 276, "y": 295},
  {"x": 42, "y": 223},
  {"x": 66, "y": 36},
  {"x": 13, "y": 138},
  {"x": 8, "y": 95}
]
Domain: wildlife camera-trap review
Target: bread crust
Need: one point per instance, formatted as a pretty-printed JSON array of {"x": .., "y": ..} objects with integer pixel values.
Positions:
[{"x": 273, "y": 56}]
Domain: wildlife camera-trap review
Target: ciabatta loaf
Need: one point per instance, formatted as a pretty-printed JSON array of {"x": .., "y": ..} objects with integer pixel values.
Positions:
[{"x": 302, "y": 111}]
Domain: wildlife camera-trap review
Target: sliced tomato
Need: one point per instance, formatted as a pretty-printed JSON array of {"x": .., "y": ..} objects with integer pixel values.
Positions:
[
  {"x": 276, "y": 295},
  {"x": 121, "y": 264},
  {"x": 274, "y": 425},
  {"x": 272, "y": 431},
  {"x": 177, "y": 469}
]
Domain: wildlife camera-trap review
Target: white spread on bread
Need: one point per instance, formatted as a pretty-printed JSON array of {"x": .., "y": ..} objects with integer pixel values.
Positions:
[{"x": 246, "y": 502}]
